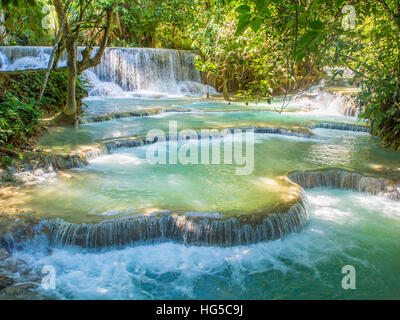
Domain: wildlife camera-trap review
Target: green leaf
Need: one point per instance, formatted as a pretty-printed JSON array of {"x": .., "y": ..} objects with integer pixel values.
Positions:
[
  {"x": 291, "y": 23},
  {"x": 339, "y": 3},
  {"x": 259, "y": 4},
  {"x": 244, "y": 8},
  {"x": 314, "y": 44},
  {"x": 255, "y": 24},
  {"x": 243, "y": 23},
  {"x": 308, "y": 37}
]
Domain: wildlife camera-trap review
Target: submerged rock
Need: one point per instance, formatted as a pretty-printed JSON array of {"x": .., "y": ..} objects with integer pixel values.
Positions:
[{"x": 132, "y": 114}]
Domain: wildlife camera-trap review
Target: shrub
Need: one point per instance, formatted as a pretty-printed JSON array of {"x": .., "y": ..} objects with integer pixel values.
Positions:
[{"x": 19, "y": 110}]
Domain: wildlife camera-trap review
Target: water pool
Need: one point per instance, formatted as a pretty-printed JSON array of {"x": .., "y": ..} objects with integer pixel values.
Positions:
[{"x": 346, "y": 228}]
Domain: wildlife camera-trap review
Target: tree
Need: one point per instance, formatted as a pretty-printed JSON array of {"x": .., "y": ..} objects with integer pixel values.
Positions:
[
  {"x": 89, "y": 22},
  {"x": 370, "y": 47},
  {"x": 55, "y": 50},
  {"x": 13, "y": 14}
]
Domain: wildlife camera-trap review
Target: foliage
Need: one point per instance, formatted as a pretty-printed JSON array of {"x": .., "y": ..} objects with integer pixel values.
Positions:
[
  {"x": 21, "y": 23},
  {"x": 318, "y": 39},
  {"x": 372, "y": 51},
  {"x": 19, "y": 110},
  {"x": 18, "y": 120},
  {"x": 154, "y": 23},
  {"x": 26, "y": 85}
]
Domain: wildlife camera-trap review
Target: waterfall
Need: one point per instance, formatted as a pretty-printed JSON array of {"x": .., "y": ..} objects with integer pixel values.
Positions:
[
  {"x": 22, "y": 58},
  {"x": 318, "y": 101},
  {"x": 341, "y": 126},
  {"x": 3, "y": 61},
  {"x": 198, "y": 230},
  {"x": 122, "y": 71},
  {"x": 348, "y": 180}
]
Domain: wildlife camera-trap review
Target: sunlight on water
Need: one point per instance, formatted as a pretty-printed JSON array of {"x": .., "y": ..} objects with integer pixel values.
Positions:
[{"x": 125, "y": 179}]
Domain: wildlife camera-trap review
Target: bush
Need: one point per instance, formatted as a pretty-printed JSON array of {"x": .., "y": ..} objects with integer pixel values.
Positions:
[
  {"x": 19, "y": 110},
  {"x": 382, "y": 108},
  {"x": 18, "y": 121},
  {"x": 27, "y": 85}
]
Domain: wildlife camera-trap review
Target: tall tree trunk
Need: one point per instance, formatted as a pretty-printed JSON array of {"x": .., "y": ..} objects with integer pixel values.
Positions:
[
  {"x": 225, "y": 90},
  {"x": 70, "y": 108},
  {"x": 75, "y": 67},
  {"x": 208, "y": 89}
]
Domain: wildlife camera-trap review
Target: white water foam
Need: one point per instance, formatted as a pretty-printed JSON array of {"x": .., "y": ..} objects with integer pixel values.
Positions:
[
  {"x": 319, "y": 102},
  {"x": 123, "y": 72},
  {"x": 337, "y": 235},
  {"x": 3, "y": 61}
]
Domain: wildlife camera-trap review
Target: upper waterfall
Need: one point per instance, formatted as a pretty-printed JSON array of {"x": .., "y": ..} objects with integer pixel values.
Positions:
[{"x": 122, "y": 71}]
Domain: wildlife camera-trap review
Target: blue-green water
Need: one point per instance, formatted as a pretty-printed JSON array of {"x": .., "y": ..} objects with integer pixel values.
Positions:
[{"x": 346, "y": 228}]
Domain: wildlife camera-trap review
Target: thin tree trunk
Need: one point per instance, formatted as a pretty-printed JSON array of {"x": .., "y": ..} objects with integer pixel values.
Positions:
[
  {"x": 225, "y": 90},
  {"x": 208, "y": 89},
  {"x": 70, "y": 109},
  {"x": 3, "y": 31},
  {"x": 58, "y": 38},
  {"x": 60, "y": 51}
]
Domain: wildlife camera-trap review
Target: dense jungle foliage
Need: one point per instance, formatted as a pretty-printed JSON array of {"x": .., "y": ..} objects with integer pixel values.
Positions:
[{"x": 20, "y": 111}]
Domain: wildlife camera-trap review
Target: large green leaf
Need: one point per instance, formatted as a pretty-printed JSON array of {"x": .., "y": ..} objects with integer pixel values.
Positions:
[
  {"x": 244, "y": 8},
  {"x": 255, "y": 23},
  {"x": 308, "y": 37},
  {"x": 243, "y": 23},
  {"x": 260, "y": 4},
  {"x": 316, "y": 25}
]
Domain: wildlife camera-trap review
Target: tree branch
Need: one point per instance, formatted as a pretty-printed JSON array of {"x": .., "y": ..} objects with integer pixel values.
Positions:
[{"x": 88, "y": 62}]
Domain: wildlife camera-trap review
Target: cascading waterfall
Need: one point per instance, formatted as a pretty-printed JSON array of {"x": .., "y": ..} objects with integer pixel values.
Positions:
[
  {"x": 123, "y": 71},
  {"x": 198, "y": 230},
  {"x": 341, "y": 126},
  {"x": 22, "y": 58},
  {"x": 203, "y": 229},
  {"x": 150, "y": 70},
  {"x": 348, "y": 180},
  {"x": 3, "y": 61},
  {"x": 319, "y": 101},
  {"x": 135, "y": 71}
]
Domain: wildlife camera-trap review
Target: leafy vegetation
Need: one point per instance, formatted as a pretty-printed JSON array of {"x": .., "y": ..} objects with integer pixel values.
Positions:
[
  {"x": 250, "y": 48},
  {"x": 363, "y": 36},
  {"x": 21, "y": 23},
  {"x": 18, "y": 120},
  {"x": 19, "y": 110}
]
